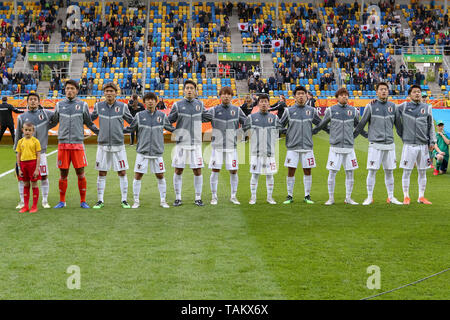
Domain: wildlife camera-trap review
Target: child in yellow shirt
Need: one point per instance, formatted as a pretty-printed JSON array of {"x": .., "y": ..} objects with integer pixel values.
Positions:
[{"x": 28, "y": 156}]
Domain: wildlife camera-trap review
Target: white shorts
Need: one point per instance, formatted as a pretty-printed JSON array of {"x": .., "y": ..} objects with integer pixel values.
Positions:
[
  {"x": 263, "y": 165},
  {"x": 43, "y": 167},
  {"x": 347, "y": 160},
  {"x": 415, "y": 154},
  {"x": 143, "y": 162},
  {"x": 182, "y": 156},
  {"x": 218, "y": 156},
  {"x": 106, "y": 159},
  {"x": 306, "y": 158},
  {"x": 376, "y": 157}
]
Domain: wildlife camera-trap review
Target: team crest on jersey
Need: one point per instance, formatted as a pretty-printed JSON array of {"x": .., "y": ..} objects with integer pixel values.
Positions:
[
  {"x": 422, "y": 111},
  {"x": 349, "y": 112},
  {"x": 158, "y": 119},
  {"x": 390, "y": 109},
  {"x": 41, "y": 117},
  {"x": 77, "y": 107},
  {"x": 270, "y": 120},
  {"x": 308, "y": 112},
  {"x": 117, "y": 109},
  {"x": 197, "y": 107},
  {"x": 233, "y": 112}
]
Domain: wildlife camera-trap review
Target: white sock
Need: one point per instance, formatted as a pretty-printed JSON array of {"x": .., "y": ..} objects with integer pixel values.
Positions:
[
  {"x": 214, "y": 181},
  {"x": 45, "y": 186},
  {"x": 331, "y": 183},
  {"x": 124, "y": 187},
  {"x": 177, "y": 185},
  {"x": 389, "y": 181},
  {"x": 269, "y": 185},
  {"x": 307, "y": 182},
  {"x": 349, "y": 181},
  {"x": 370, "y": 182},
  {"x": 422, "y": 181},
  {"x": 20, "y": 184},
  {"x": 290, "y": 182},
  {"x": 101, "y": 183},
  {"x": 162, "y": 188},
  {"x": 198, "y": 186},
  {"x": 234, "y": 179},
  {"x": 405, "y": 182},
  {"x": 254, "y": 184},
  {"x": 136, "y": 189}
]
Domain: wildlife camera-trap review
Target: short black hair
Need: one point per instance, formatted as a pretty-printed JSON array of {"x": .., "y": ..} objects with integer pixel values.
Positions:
[
  {"x": 300, "y": 88},
  {"x": 150, "y": 96},
  {"x": 414, "y": 86},
  {"x": 33, "y": 94},
  {"x": 382, "y": 83},
  {"x": 73, "y": 83},
  {"x": 263, "y": 97},
  {"x": 190, "y": 82}
]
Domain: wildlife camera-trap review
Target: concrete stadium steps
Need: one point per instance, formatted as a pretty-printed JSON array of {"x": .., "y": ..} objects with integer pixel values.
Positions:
[
  {"x": 43, "y": 88},
  {"x": 76, "y": 69}
]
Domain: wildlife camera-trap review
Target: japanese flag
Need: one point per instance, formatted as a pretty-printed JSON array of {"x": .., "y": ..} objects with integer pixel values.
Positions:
[
  {"x": 369, "y": 36},
  {"x": 277, "y": 43},
  {"x": 243, "y": 26},
  {"x": 364, "y": 27}
]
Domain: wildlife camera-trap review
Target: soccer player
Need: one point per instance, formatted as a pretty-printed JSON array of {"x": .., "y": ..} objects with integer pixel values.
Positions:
[
  {"x": 264, "y": 128},
  {"x": 299, "y": 119},
  {"x": 150, "y": 147},
  {"x": 111, "y": 147},
  {"x": 225, "y": 123},
  {"x": 28, "y": 153},
  {"x": 440, "y": 151},
  {"x": 381, "y": 116},
  {"x": 416, "y": 128},
  {"x": 72, "y": 113},
  {"x": 188, "y": 113},
  {"x": 40, "y": 118},
  {"x": 425, "y": 100},
  {"x": 342, "y": 118}
]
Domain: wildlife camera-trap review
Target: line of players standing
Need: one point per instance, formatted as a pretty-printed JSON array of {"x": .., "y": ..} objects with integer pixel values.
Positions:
[{"x": 413, "y": 121}]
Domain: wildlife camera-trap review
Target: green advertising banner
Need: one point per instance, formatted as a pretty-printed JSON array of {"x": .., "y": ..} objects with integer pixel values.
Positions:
[
  {"x": 41, "y": 57},
  {"x": 430, "y": 58},
  {"x": 239, "y": 56}
]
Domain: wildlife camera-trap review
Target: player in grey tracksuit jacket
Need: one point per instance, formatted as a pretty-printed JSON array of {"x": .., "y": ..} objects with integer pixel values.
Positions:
[
  {"x": 225, "y": 121},
  {"x": 416, "y": 128},
  {"x": 382, "y": 116},
  {"x": 111, "y": 147},
  {"x": 264, "y": 129},
  {"x": 41, "y": 120},
  {"x": 299, "y": 119},
  {"x": 72, "y": 114},
  {"x": 150, "y": 125},
  {"x": 342, "y": 118},
  {"x": 111, "y": 122},
  {"x": 188, "y": 115}
]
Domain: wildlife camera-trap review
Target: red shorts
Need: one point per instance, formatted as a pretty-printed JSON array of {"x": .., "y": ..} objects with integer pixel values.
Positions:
[
  {"x": 28, "y": 168},
  {"x": 76, "y": 156}
]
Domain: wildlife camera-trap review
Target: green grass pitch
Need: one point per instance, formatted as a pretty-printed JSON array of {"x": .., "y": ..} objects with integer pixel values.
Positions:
[{"x": 226, "y": 251}]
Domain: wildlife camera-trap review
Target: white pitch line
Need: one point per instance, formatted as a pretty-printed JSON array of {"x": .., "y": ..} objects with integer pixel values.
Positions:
[{"x": 12, "y": 170}]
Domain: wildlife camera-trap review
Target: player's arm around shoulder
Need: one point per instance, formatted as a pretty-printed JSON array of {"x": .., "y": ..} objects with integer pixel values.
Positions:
[
  {"x": 126, "y": 115},
  {"x": 324, "y": 122},
  {"x": 173, "y": 114},
  {"x": 166, "y": 123}
]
